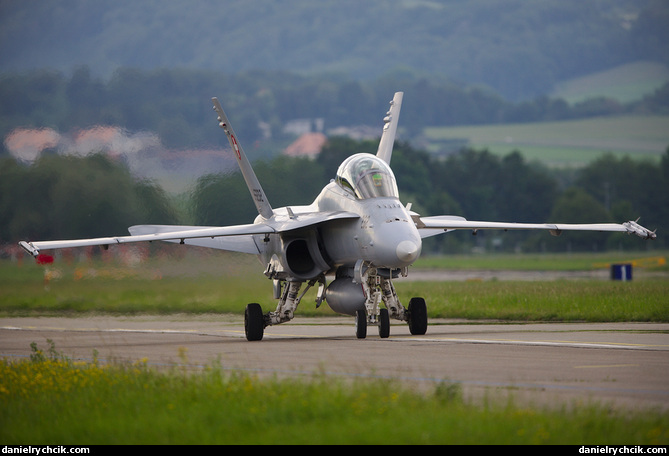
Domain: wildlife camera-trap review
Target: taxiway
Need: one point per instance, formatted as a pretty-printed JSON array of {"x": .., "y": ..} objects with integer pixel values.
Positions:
[{"x": 624, "y": 364}]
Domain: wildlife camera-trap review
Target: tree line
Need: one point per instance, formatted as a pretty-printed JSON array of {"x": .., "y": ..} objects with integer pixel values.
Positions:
[
  {"x": 61, "y": 197},
  {"x": 475, "y": 184},
  {"x": 69, "y": 197},
  {"x": 175, "y": 104}
]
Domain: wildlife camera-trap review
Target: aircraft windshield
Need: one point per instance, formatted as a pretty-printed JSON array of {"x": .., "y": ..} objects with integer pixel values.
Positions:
[{"x": 367, "y": 176}]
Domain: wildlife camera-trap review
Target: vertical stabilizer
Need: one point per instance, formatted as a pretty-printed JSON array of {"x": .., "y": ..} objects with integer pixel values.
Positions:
[
  {"x": 257, "y": 193},
  {"x": 385, "y": 150}
]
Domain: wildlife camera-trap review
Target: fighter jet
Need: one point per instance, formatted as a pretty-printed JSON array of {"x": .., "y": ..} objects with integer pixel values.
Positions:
[{"x": 353, "y": 241}]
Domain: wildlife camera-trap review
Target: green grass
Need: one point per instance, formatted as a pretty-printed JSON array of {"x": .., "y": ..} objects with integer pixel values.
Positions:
[
  {"x": 566, "y": 143},
  {"x": 192, "y": 284},
  {"x": 657, "y": 260},
  {"x": 625, "y": 83},
  {"x": 558, "y": 300},
  {"x": 225, "y": 283},
  {"x": 592, "y": 301},
  {"x": 52, "y": 400}
]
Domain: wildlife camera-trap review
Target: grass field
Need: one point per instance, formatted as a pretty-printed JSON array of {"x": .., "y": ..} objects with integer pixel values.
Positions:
[
  {"x": 225, "y": 283},
  {"x": 577, "y": 142},
  {"x": 656, "y": 260},
  {"x": 50, "y": 399},
  {"x": 565, "y": 143},
  {"x": 625, "y": 83}
]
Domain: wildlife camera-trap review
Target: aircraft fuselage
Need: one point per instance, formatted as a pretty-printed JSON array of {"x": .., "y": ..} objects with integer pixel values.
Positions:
[{"x": 384, "y": 235}]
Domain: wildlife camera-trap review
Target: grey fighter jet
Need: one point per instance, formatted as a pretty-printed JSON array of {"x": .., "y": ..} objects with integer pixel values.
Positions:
[{"x": 356, "y": 235}]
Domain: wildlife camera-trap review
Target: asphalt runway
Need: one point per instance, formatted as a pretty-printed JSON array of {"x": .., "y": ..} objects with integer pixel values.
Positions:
[{"x": 618, "y": 364}]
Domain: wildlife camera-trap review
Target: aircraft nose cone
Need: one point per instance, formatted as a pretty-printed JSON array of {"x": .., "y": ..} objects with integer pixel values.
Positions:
[{"x": 407, "y": 251}]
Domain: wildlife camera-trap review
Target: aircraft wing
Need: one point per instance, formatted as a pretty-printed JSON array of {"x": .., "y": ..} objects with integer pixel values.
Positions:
[
  {"x": 294, "y": 221},
  {"x": 179, "y": 234},
  {"x": 244, "y": 243},
  {"x": 448, "y": 223},
  {"x": 235, "y": 243},
  {"x": 237, "y": 238}
]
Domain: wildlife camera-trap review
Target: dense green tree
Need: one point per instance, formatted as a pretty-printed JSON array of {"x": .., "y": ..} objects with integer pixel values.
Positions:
[
  {"x": 224, "y": 199},
  {"x": 575, "y": 205},
  {"x": 70, "y": 197},
  {"x": 176, "y": 104},
  {"x": 337, "y": 149},
  {"x": 623, "y": 182}
]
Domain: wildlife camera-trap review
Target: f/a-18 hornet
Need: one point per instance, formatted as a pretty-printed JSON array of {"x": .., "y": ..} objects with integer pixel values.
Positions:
[{"x": 356, "y": 234}]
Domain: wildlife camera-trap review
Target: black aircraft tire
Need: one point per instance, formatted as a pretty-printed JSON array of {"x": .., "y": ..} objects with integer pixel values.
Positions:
[
  {"x": 254, "y": 322},
  {"x": 361, "y": 324},
  {"x": 384, "y": 324},
  {"x": 417, "y": 316}
]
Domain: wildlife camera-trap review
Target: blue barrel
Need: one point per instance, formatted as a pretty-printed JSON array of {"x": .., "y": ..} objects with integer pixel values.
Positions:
[{"x": 621, "y": 272}]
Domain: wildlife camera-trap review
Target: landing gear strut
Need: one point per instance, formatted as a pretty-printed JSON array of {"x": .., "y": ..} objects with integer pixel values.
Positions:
[
  {"x": 379, "y": 288},
  {"x": 254, "y": 320}
]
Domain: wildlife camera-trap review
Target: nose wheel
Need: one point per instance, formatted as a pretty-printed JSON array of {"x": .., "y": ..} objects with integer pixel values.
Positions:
[
  {"x": 383, "y": 323},
  {"x": 378, "y": 289}
]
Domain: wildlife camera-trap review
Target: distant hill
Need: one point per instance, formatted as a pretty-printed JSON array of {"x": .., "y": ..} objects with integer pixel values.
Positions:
[
  {"x": 519, "y": 48},
  {"x": 563, "y": 144},
  {"x": 625, "y": 83}
]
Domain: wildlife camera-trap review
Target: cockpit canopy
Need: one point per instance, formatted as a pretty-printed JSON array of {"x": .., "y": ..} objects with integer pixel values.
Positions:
[{"x": 367, "y": 176}]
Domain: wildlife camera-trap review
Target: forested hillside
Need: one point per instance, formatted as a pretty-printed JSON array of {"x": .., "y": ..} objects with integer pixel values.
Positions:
[
  {"x": 518, "y": 48},
  {"x": 66, "y": 197},
  {"x": 87, "y": 87},
  {"x": 176, "y": 104},
  {"x": 54, "y": 195}
]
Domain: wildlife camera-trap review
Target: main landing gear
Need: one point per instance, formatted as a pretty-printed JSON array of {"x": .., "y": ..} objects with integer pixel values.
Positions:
[{"x": 254, "y": 320}]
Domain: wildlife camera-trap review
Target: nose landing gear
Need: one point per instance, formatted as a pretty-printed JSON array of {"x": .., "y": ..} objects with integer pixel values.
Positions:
[{"x": 378, "y": 288}]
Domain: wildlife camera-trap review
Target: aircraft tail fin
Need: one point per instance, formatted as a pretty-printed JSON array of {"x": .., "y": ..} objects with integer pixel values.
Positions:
[
  {"x": 385, "y": 150},
  {"x": 257, "y": 193}
]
